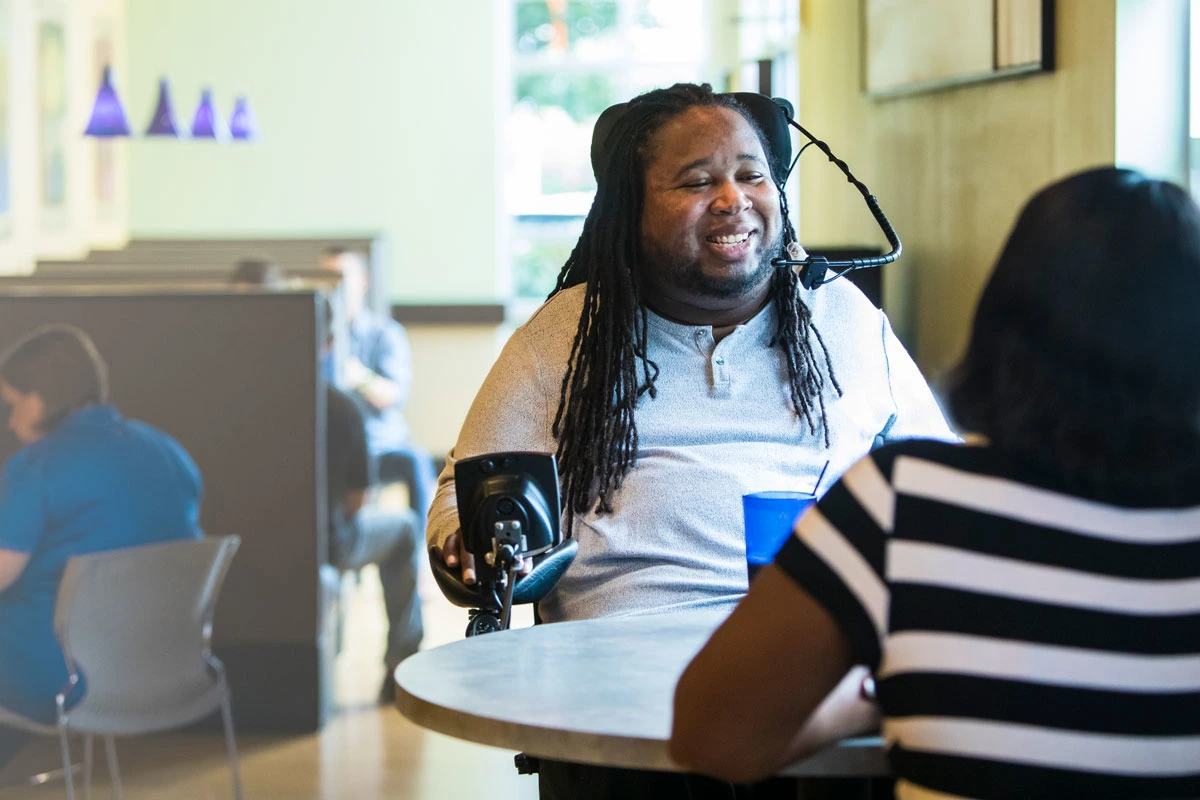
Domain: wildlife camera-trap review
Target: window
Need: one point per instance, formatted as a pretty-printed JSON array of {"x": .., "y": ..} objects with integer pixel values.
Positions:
[
  {"x": 571, "y": 60},
  {"x": 767, "y": 32},
  {"x": 766, "y": 36},
  {"x": 1194, "y": 99}
]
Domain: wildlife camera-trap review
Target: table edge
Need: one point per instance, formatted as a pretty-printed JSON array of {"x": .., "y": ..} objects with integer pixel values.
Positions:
[{"x": 857, "y": 757}]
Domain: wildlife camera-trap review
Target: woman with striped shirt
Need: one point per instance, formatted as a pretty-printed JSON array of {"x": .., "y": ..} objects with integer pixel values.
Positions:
[{"x": 1029, "y": 602}]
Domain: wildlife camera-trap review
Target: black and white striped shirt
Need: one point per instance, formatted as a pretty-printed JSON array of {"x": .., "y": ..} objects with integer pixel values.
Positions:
[{"x": 1026, "y": 641}]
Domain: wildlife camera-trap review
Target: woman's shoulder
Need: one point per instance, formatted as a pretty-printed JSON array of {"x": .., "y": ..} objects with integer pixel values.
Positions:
[
  {"x": 24, "y": 460},
  {"x": 158, "y": 438},
  {"x": 930, "y": 462},
  {"x": 936, "y": 451},
  {"x": 56, "y": 445},
  {"x": 39, "y": 464}
]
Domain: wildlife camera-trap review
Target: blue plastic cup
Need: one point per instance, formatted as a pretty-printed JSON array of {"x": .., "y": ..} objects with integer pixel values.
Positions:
[{"x": 770, "y": 518}]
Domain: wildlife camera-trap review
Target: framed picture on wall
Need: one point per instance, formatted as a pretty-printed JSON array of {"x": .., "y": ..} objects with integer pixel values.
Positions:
[
  {"x": 52, "y": 95},
  {"x": 104, "y": 166},
  {"x": 104, "y": 160},
  {"x": 17, "y": 215},
  {"x": 908, "y": 47},
  {"x": 7, "y": 187},
  {"x": 59, "y": 97}
]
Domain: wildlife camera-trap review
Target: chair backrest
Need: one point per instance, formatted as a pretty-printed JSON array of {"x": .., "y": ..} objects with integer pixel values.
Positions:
[{"x": 137, "y": 621}]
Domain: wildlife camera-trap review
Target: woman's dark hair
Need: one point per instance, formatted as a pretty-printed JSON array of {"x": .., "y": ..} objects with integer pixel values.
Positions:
[
  {"x": 1084, "y": 357},
  {"x": 609, "y": 368},
  {"x": 61, "y": 364}
]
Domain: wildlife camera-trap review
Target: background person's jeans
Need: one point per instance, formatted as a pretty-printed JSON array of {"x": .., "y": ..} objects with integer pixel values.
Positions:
[
  {"x": 412, "y": 466},
  {"x": 390, "y": 540}
]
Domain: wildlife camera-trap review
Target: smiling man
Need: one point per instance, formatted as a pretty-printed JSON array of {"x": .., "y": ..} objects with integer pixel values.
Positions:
[
  {"x": 674, "y": 369},
  {"x": 710, "y": 239}
]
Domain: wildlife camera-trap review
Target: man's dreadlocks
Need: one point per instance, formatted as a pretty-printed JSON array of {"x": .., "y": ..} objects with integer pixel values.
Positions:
[{"x": 609, "y": 368}]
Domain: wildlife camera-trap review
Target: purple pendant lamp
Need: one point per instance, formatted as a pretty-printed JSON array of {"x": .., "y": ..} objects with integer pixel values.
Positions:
[
  {"x": 108, "y": 117},
  {"x": 163, "y": 121},
  {"x": 242, "y": 125},
  {"x": 207, "y": 124}
]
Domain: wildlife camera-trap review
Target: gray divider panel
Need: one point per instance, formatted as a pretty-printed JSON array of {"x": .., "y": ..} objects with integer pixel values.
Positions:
[
  {"x": 203, "y": 259},
  {"x": 233, "y": 377}
]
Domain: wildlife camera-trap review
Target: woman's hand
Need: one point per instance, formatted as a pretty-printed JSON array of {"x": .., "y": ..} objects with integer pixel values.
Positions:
[{"x": 744, "y": 707}]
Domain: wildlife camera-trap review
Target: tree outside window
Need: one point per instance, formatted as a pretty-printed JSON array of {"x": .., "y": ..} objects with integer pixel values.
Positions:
[{"x": 571, "y": 60}]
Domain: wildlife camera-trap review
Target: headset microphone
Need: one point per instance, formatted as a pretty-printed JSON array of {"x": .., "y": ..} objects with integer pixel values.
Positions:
[
  {"x": 814, "y": 269},
  {"x": 773, "y": 116}
]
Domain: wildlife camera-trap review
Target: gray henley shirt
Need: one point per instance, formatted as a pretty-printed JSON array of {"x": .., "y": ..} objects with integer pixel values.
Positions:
[{"x": 721, "y": 426}]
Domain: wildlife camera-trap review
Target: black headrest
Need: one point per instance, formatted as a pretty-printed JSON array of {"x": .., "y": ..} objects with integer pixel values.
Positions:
[{"x": 770, "y": 114}]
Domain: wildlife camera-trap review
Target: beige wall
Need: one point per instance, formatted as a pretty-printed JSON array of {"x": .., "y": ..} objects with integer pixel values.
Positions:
[
  {"x": 449, "y": 364},
  {"x": 950, "y": 168}
]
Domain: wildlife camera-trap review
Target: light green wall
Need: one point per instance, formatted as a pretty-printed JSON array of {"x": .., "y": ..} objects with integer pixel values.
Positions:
[{"x": 377, "y": 115}]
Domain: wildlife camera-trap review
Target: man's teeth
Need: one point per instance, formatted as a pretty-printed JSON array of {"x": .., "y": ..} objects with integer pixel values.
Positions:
[{"x": 732, "y": 239}]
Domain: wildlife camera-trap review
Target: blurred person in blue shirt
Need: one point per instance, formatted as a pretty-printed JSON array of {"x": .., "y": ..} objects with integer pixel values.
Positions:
[
  {"x": 85, "y": 480},
  {"x": 379, "y": 373}
]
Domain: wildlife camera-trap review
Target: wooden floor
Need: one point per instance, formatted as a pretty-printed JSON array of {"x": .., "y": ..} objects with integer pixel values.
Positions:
[{"x": 366, "y": 752}]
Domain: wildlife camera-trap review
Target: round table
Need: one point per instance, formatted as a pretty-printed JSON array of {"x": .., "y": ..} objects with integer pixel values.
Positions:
[{"x": 593, "y": 691}]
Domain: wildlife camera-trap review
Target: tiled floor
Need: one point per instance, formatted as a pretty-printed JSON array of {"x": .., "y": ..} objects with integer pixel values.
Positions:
[{"x": 366, "y": 752}]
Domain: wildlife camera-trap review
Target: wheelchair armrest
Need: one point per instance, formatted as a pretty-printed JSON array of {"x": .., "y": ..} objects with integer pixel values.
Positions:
[
  {"x": 545, "y": 573},
  {"x": 529, "y": 589},
  {"x": 449, "y": 580}
]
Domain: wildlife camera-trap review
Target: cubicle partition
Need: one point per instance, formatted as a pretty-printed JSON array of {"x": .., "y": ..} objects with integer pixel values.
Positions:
[
  {"x": 234, "y": 378},
  {"x": 213, "y": 259}
]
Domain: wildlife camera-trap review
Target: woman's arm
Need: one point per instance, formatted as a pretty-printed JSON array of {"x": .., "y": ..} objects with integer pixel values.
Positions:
[
  {"x": 843, "y": 713},
  {"x": 12, "y": 564},
  {"x": 744, "y": 707},
  {"x": 22, "y": 516}
]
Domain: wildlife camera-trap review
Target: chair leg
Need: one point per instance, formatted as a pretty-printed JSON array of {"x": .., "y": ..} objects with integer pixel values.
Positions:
[
  {"x": 230, "y": 741},
  {"x": 65, "y": 747},
  {"x": 114, "y": 770},
  {"x": 88, "y": 746}
]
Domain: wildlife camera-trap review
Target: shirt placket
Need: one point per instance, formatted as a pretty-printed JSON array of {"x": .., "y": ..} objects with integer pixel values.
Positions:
[{"x": 720, "y": 372}]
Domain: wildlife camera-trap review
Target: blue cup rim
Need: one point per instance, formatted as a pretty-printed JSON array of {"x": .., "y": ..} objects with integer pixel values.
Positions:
[{"x": 780, "y": 494}]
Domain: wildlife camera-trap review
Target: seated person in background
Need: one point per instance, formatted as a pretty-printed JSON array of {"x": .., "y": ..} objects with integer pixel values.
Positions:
[
  {"x": 258, "y": 272},
  {"x": 1030, "y": 603},
  {"x": 86, "y": 480},
  {"x": 673, "y": 370},
  {"x": 379, "y": 372},
  {"x": 359, "y": 533}
]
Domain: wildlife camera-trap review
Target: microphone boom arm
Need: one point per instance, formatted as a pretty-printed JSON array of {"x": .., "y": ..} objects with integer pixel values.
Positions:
[{"x": 814, "y": 269}]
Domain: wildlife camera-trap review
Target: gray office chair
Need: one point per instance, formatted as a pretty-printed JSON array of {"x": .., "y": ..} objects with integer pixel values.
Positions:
[{"x": 137, "y": 623}]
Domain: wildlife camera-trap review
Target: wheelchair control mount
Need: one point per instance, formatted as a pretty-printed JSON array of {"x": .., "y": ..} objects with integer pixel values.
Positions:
[{"x": 508, "y": 509}]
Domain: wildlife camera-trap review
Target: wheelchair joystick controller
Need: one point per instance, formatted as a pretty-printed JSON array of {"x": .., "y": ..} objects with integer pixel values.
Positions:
[
  {"x": 508, "y": 548},
  {"x": 508, "y": 510}
]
